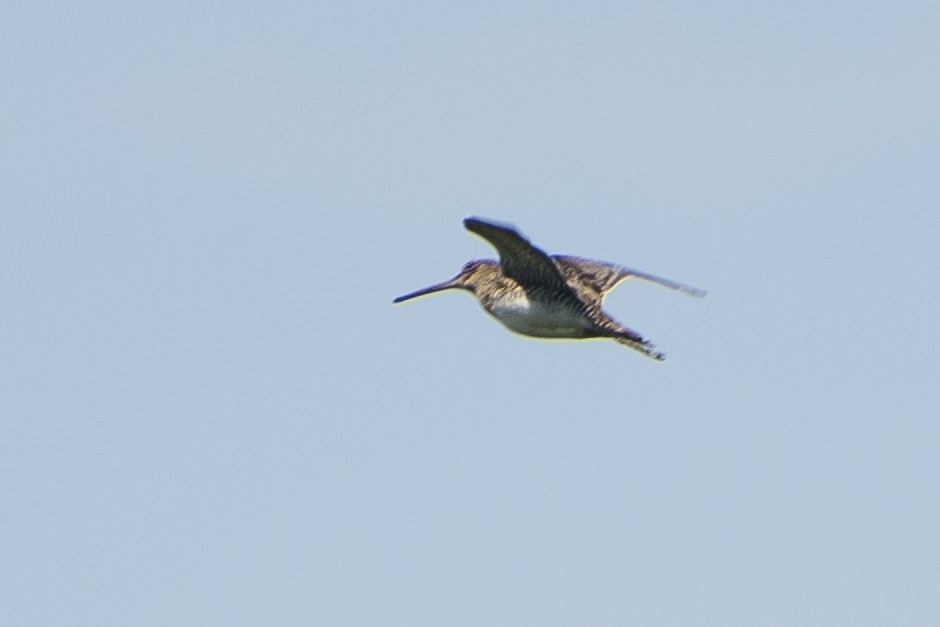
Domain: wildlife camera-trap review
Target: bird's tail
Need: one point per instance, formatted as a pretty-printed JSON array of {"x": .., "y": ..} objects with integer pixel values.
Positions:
[{"x": 636, "y": 342}]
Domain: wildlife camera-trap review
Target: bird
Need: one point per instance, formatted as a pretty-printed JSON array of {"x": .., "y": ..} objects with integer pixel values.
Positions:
[{"x": 547, "y": 296}]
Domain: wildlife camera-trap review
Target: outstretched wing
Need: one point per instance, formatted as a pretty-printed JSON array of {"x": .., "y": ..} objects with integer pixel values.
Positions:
[
  {"x": 520, "y": 260},
  {"x": 596, "y": 278}
]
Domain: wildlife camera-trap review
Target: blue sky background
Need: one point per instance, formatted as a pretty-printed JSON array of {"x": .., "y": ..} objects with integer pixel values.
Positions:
[{"x": 212, "y": 414}]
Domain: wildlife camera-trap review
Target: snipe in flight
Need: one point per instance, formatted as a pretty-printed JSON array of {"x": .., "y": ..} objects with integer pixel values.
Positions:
[{"x": 547, "y": 296}]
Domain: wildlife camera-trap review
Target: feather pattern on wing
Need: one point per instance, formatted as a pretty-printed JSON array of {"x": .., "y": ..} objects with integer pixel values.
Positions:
[
  {"x": 596, "y": 278},
  {"x": 530, "y": 266}
]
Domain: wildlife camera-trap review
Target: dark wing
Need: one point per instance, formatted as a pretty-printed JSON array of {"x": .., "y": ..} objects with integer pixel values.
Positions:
[
  {"x": 596, "y": 278},
  {"x": 520, "y": 260}
]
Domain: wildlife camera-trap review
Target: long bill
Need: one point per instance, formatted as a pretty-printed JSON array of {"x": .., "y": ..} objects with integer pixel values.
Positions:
[{"x": 446, "y": 285}]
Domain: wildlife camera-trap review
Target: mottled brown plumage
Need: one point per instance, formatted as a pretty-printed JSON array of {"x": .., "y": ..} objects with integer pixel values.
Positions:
[{"x": 549, "y": 296}]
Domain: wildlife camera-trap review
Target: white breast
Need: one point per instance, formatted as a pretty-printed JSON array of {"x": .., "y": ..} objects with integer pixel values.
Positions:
[{"x": 538, "y": 318}]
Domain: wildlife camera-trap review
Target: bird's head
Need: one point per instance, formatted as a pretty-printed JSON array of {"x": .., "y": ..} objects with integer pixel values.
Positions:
[{"x": 467, "y": 279}]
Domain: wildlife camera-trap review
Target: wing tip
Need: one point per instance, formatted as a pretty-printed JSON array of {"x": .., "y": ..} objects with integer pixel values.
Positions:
[
  {"x": 697, "y": 292},
  {"x": 475, "y": 223}
]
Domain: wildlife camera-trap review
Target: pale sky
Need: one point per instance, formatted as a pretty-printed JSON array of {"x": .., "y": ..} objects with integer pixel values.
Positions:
[{"x": 213, "y": 414}]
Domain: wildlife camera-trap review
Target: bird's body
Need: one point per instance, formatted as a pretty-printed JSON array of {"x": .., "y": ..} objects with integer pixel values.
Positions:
[
  {"x": 528, "y": 314},
  {"x": 547, "y": 296}
]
